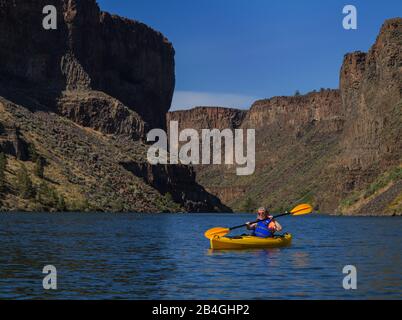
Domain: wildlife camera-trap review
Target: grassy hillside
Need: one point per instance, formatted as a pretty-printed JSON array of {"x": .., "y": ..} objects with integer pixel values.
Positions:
[{"x": 82, "y": 168}]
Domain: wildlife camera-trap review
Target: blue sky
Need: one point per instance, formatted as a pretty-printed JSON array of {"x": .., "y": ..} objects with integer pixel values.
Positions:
[{"x": 232, "y": 52}]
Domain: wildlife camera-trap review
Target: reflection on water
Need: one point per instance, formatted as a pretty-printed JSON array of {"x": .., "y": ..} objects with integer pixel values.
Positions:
[
  {"x": 132, "y": 256},
  {"x": 300, "y": 259}
]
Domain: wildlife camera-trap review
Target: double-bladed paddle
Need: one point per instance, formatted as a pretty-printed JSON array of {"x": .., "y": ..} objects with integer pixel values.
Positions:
[{"x": 301, "y": 209}]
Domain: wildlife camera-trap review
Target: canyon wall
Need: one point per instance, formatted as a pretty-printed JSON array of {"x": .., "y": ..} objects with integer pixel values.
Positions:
[
  {"x": 293, "y": 135},
  {"x": 90, "y": 50},
  {"x": 371, "y": 86},
  {"x": 207, "y": 117},
  {"x": 339, "y": 149},
  {"x": 80, "y": 100}
]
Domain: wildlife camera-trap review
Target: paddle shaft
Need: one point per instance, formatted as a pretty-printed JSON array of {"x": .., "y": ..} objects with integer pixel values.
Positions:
[{"x": 244, "y": 225}]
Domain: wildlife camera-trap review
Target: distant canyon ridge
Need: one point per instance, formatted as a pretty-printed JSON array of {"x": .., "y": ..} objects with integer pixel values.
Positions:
[
  {"x": 76, "y": 104},
  {"x": 338, "y": 149}
]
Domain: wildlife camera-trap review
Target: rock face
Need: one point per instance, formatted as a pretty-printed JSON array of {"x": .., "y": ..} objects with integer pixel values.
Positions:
[
  {"x": 176, "y": 181},
  {"x": 12, "y": 143},
  {"x": 90, "y": 50},
  {"x": 291, "y": 136},
  {"x": 322, "y": 109},
  {"x": 287, "y": 113},
  {"x": 84, "y": 96},
  {"x": 101, "y": 112},
  {"x": 339, "y": 149},
  {"x": 371, "y": 86},
  {"x": 207, "y": 117}
]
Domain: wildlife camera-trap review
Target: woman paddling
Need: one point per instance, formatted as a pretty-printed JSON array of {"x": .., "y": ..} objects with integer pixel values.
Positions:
[{"x": 267, "y": 226}]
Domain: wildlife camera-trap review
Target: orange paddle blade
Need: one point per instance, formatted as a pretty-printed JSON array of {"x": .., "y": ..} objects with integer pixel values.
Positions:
[
  {"x": 221, "y": 232},
  {"x": 302, "y": 209}
]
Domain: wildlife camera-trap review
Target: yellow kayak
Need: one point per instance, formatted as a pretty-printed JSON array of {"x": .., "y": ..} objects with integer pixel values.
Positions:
[{"x": 250, "y": 242}]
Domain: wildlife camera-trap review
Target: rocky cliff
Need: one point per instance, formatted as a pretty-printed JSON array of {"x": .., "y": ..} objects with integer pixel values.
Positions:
[
  {"x": 339, "y": 149},
  {"x": 371, "y": 144},
  {"x": 90, "y": 50},
  {"x": 207, "y": 117},
  {"x": 293, "y": 136},
  {"x": 75, "y": 105},
  {"x": 371, "y": 86}
]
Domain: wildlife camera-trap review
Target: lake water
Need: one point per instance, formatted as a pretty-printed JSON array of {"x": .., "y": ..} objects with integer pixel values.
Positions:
[{"x": 132, "y": 256}]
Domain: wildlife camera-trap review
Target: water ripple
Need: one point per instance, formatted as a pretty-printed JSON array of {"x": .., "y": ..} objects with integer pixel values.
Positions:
[{"x": 132, "y": 256}]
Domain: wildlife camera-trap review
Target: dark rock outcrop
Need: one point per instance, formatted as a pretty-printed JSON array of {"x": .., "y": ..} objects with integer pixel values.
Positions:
[
  {"x": 12, "y": 143},
  {"x": 90, "y": 50},
  {"x": 181, "y": 185},
  {"x": 101, "y": 112}
]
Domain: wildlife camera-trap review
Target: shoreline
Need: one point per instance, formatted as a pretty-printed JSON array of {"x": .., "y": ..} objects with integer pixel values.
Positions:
[{"x": 195, "y": 213}]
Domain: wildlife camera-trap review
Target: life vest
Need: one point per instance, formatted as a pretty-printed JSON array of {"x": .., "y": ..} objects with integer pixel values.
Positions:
[{"x": 265, "y": 229}]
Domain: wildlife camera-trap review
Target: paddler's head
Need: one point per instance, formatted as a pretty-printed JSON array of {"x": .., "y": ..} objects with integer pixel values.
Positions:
[{"x": 262, "y": 213}]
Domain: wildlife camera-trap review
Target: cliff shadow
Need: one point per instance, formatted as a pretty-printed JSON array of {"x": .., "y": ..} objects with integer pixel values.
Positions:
[
  {"x": 29, "y": 95},
  {"x": 180, "y": 182}
]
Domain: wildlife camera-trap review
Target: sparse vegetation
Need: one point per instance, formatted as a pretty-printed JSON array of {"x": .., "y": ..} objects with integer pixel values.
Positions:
[
  {"x": 280, "y": 209},
  {"x": 49, "y": 197},
  {"x": 249, "y": 205},
  {"x": 39, "y": 167},
  {"x": 167, "y": 204},
  {"x": 24, "y": 183},
  {"x": 79, "y": 205},
  {"x": 351, "y": 200},
  {"x": 61, "y": 204},
  {"x": 68, "y": 175},
  {"x": 32, "y": 153},
  {"x": 395, "y": 206},
  {"x": 117, "y": 205},
  {"x": 3, "y": 165},
  {"x": 381, "y": 182}
]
